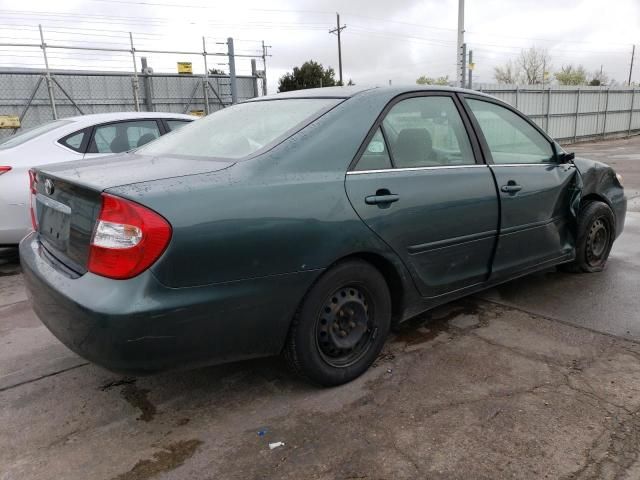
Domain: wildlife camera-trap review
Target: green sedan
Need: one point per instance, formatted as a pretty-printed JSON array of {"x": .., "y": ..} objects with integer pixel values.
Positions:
[{"x": 306, "y": 224}]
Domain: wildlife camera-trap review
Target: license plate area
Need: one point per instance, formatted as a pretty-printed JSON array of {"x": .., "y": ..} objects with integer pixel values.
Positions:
[{"x": 54, "y": 222}]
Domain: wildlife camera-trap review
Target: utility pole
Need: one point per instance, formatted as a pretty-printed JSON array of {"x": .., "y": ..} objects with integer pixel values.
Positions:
[
  {"x": 337, "y": 31},
  {"x": 471, "y": 67},
  {"x": 633, "y": 54},
  {"x": 264, "y": 67},
  {"x": 463, "y": 83},
  {"x": 460, "y": 61}
]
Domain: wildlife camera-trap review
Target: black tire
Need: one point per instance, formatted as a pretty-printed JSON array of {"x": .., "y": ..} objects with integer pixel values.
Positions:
[
  {"x": 595, "y": 235},
  {"x": 341, "y": 325}
]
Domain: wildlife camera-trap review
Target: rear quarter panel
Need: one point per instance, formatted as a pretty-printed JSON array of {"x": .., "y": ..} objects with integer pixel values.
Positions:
[{"x": 282, "y": 212}]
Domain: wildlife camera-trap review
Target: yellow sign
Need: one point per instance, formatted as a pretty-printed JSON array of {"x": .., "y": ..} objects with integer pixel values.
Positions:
[
  {"x": 197, "y": 113},
  {"x": 185, "y": 68},
  {"x": 9, "y": 121},
  {"x": 472, "y": 66}
]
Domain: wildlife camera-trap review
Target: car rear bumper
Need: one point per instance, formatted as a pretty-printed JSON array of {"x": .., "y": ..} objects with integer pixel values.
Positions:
[{"x": 141, "y": 326}]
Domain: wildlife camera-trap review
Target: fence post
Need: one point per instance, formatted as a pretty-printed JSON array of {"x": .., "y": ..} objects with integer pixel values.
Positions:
[
  {"x": 136, "y": 86},
  {"x": 633, "y": 99},
  {"x": 575, "y": 127},
  {"x": 48, "y": 75},
  {"x": 548, "y": 106},
  {"x": 148, "y": 85},
  {"x": 606, "y": 109},
  {"x": 232, "y": 71},
  {"x": 517, "y": 92},
  {"x": 205, "y": 81},
  {"x": 254, "y": 74}
]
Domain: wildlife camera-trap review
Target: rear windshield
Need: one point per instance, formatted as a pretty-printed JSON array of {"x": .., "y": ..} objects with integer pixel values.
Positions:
[
  {"x": 240, "y": 130},
  {"x": 28, "y": 134}
]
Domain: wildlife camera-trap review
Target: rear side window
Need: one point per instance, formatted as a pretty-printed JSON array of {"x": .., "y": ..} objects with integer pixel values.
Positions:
[
  {"x": 376, "y": 156},
  {"x": 510, "y": 138},
  {"x": 176, "y": 124},
  {"x": 123, "y": 136},
  {"x": 425, "y": 132},
  {"x": 74, "y": 141}
]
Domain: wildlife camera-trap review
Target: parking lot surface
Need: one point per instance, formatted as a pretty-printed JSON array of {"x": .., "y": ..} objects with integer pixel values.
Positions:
[{"x": 539, "y": 378}]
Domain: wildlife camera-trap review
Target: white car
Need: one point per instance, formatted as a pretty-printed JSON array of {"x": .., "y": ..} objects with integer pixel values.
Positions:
[{"x": 63, "y": 140}]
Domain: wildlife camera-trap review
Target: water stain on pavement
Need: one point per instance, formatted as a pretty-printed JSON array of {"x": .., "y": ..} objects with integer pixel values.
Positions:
[
  {"x": 167, "y": 459},
  {"x": 137, "y": 397}
]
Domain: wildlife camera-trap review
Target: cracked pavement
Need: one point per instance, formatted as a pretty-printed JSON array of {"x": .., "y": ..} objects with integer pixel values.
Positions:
[{"x": 539, "y": 378}]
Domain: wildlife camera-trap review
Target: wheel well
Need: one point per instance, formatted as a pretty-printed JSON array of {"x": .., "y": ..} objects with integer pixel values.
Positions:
[
  {"x": 391, "y": 276},
  {"x": 593, "y": 197}
]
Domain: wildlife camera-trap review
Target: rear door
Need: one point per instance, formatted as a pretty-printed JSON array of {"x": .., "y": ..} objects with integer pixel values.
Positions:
[
  {"x": 535, "y": 191},
  {"x": 417, "y": 184}
]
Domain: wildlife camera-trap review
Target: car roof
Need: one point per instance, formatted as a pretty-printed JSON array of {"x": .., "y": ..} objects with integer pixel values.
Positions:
[
  {"x": 352, "y": 91},
  {"x": 95, "y": 118}
]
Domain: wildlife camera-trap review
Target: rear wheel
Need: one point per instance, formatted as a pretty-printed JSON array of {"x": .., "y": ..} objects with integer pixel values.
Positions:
[
  {"x": 596, "y": 231},
  {"x": 341, "y": 325}
]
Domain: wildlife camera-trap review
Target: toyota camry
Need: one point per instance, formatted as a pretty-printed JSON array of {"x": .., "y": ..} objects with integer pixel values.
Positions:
[{"x": 306, "y": 224}]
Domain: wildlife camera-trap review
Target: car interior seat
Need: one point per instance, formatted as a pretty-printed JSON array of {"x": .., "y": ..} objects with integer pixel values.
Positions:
[
  {"x": 146, "y": 138},
  {"x": 413, "y": 148}
]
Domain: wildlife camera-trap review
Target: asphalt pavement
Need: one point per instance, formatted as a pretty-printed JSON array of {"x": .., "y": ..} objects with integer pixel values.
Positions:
[{"x": 538, "y": 378}]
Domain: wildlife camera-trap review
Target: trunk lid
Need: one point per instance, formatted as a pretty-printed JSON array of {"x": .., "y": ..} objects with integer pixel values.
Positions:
[{"x": 68, "y": 196}]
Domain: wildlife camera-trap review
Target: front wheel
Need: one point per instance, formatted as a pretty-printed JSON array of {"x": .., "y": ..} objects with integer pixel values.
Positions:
[
  {"x": 341, "y": 325},
  {"x": 596, "y": 232}
]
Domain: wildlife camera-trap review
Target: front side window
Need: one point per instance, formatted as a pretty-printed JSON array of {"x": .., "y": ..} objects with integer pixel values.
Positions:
[
  {"x": 240, "y": 130},
  {"x": 510, "y": 138},
  {"x": 123, "y": 136},
  {"x": 426, "y": 132}
]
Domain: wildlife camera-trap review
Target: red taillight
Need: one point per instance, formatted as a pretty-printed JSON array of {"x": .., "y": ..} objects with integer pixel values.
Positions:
[
  {"x": 4, "y": 170},
  {"x": 33, "y": 180},
  {"x": 127, "y": 238}
]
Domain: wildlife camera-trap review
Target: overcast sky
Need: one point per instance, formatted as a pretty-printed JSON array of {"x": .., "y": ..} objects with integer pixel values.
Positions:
[{"x": 395, "y": 40}]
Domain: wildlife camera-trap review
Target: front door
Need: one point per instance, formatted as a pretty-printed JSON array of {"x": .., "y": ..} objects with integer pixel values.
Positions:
[
  {"x": 418, "y": 186},
  {"x": 535, "y": 191}
]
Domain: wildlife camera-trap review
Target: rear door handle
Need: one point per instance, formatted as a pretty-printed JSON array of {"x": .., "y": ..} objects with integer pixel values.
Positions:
[
  {"x": 382, "y": 197},
  {"x": 511, "y": 187}
]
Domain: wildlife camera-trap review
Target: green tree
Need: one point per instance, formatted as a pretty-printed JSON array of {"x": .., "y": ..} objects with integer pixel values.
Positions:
[
  {"x": 216, "y": 71},
  {"x": 309, "y": 75},
  {"x": 570, "y": 75},
  {"x": 424, "y": 80}
]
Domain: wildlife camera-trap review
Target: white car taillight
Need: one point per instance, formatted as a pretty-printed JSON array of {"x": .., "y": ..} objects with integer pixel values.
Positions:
[
  {"x": 4, "y": 170},
  {"x": 33, "y": 181}
]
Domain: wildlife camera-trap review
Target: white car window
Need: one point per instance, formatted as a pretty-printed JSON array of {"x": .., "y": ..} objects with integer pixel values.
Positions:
[{"x": 123, "y": 136}]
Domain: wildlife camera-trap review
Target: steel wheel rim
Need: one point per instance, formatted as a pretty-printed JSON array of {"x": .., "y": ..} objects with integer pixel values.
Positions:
[
  {"x": 597, "y": 241},
  {"x": 345, "y": 328}
]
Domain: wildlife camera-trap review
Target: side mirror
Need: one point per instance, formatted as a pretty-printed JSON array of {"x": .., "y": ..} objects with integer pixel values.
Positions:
[{"x": 565, "y": 157}]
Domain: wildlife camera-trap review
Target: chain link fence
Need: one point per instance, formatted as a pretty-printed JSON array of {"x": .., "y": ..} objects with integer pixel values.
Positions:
[{"x": 24, "y": 94}]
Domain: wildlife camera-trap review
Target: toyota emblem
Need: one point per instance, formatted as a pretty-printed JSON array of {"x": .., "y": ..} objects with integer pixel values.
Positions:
[{"x": 48, "y": 186}]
